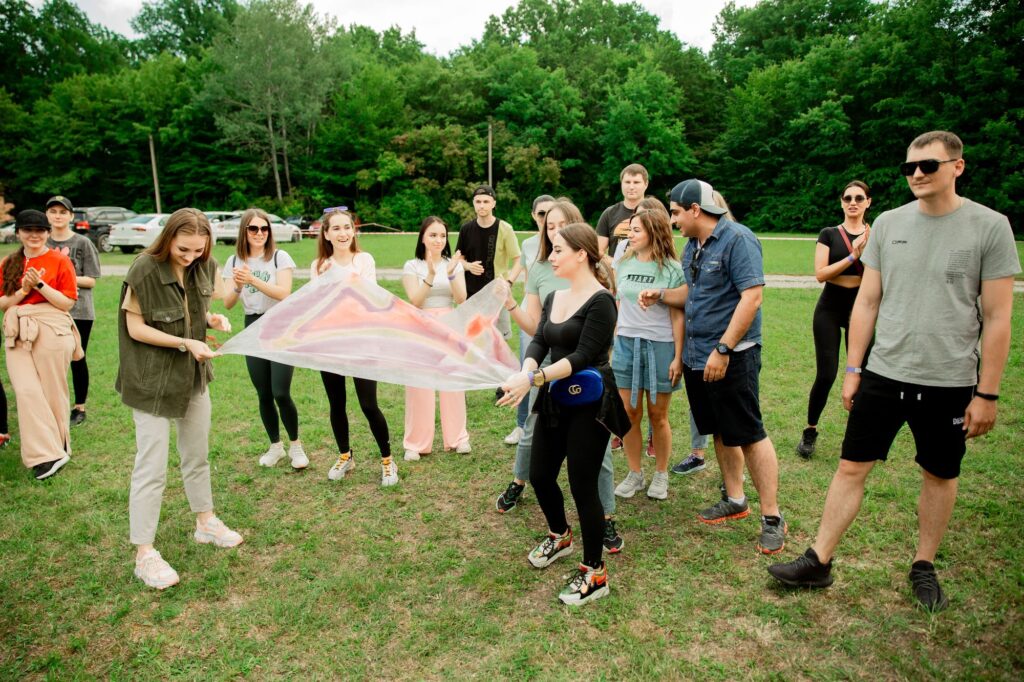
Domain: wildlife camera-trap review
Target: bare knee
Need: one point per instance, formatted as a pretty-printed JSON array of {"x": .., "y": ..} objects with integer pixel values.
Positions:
[{"x": 854, "y": 471}]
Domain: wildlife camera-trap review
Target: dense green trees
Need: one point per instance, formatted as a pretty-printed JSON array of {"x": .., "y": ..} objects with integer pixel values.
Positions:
[{"x": 264, "y": 101}]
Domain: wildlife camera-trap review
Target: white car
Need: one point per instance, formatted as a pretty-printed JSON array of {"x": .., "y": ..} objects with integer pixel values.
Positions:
[
  {"x": 138, "y": 232},
  {"x": 7, "y": 235},
  {"x": 226, "y": 231}
]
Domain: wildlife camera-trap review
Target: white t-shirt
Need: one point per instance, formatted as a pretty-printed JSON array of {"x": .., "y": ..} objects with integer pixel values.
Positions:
[
  {"x": 254, "y": 301},
  {"x": 440, "y": 295},
  {"x": 362, "y": 264}
]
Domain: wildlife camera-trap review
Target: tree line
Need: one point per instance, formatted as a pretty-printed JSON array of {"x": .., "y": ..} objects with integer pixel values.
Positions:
[{"x": 267, "y": 103}]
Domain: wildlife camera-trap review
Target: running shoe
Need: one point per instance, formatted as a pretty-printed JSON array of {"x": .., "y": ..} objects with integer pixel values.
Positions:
[
  {"x": 346, "y": 463},
  {"x": 589, "y": 584},
  {"x": 508, "y": 500},
  {"x": 388, "y": 472},
  {"x": 553, "y": 547}
]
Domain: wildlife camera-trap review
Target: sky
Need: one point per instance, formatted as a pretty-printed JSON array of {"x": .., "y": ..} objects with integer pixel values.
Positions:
[{"x": 442, "y": 25}]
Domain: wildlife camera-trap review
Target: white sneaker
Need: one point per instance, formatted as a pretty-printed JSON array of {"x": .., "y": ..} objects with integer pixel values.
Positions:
[
  {"x": 514, "y": 437},
  {"x": 346, "y": 463},
  {"x": 659, "y": 486},
  {"x": 215, "y": 532},
  {"x": 151, "y": 569},
  {"x": 273, "y": 455},
  {"x": 631, "y": 485},
  {"x": 464, "y": 448},
  {"x": 388, "y": 472},
  {"x": 298, "y": 455},
  {"x": 412, "y": 456}
]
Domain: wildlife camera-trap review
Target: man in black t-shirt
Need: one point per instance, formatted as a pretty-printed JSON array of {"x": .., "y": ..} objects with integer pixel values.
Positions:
[{"x": 614, "y": 222}]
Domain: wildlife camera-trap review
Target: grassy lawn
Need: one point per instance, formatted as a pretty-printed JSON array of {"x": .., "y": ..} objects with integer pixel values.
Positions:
[{"x": 425, "y": 581}]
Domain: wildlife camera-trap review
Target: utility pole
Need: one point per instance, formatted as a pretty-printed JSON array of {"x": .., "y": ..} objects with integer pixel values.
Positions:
[
  {"x": 490, "y": 153},
  {"x": 156, "y": 180}
]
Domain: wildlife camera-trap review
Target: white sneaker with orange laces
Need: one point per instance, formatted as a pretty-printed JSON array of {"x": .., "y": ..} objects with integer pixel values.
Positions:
[
  {"x": 215, "y": 532},
  {"x": 388, "y": 471}
]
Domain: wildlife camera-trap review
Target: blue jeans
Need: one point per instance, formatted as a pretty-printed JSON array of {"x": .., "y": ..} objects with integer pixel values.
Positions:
[{"x": 524, "y": 407}]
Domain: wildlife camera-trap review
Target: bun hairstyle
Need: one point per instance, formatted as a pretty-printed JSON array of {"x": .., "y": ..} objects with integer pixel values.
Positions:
[
  {"x": 187, "y": 221},
  {"x": 582, "y": 237},
  {"x": 242, "y": 245},
  {"x": 572, "y": 215},
  {"x": 324, "y": 248}
]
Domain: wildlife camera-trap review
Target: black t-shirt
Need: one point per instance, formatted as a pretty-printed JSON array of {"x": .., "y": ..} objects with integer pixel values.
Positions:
[
  {"x": 609, "y": 220},
  {"x": 584, "y": 338},
  {"x": 837, "y": 249},
  {"x": 478, "y": 244}
]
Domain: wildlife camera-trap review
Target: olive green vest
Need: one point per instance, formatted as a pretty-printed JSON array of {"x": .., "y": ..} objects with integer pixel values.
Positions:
[{"x": 158, "y": 380}]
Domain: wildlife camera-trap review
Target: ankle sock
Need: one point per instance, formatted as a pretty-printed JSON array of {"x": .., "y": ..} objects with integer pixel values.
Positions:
[{"x": 738, "y": 500}]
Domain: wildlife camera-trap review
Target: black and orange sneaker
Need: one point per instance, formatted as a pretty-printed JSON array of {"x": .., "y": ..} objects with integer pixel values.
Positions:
[
  {"x": 613, "y": 542},
  {"x": 724, "y": 510},
  {"x": 587, "y": 585},
  {"x": 508, "y": 500},
  {"x": 553, "y": 547}
]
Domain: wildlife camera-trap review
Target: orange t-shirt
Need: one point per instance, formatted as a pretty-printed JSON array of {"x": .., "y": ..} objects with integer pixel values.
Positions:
[{"x": 59, "y": 274}]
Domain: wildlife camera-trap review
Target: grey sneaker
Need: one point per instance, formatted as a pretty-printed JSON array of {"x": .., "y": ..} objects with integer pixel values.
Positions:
[
  {"x": 659, "y": 486},
  {"x": 631, "y": 485},
  {"x": 724, "y": 510},
  {"x": 773, "y": 534}
]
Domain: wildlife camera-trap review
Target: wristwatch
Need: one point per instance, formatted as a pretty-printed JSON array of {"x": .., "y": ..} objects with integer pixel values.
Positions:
[
  {"x": 539, "y": 378},
  {"x": 181, "y": 345},
  {"x": 39, "y": 285},
  {"x": 723, "y": 349}
]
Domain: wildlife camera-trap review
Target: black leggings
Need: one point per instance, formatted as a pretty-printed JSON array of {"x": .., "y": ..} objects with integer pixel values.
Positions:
[
  {"x": 831, "y": 317},
  {"x": 79, "y": 368},
  {"x": 273, "y": 382},
  {"x": 551, "y": 446},
  {"x": 4, "y": 428},
  {"x": 366, "y": 392}
]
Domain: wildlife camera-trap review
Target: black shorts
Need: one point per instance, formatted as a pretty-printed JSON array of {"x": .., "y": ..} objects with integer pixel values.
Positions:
[
  {"x": 935, "y": 414},
  {"x": 731, "y": 407}
]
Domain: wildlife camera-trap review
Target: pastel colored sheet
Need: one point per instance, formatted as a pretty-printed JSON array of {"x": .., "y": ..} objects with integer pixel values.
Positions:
[{"x": 350, "y": 326}]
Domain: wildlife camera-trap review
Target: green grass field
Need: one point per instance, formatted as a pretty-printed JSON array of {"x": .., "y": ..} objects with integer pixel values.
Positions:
[{"x": 425, "y": 581}]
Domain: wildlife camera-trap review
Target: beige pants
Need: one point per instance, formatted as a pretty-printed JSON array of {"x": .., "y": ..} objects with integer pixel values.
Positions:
[
  {"x": 153, "y": 440},
  {"x": 39, "y": 378}
]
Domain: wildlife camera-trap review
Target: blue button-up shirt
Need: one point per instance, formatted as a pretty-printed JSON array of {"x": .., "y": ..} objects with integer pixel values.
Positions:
[{"x": 729, "y": 263}]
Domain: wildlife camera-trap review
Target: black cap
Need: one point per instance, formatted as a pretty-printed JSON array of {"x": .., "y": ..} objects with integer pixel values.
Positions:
[
  {"x": 485, "y": 189},
  {"x": 62, "y": 200},
  {"x": 31, "y": 218}
]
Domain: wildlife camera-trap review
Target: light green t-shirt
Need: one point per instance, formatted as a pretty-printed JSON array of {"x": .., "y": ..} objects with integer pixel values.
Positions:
[
  {"x": 929, "y": 318},
  {"x": 633, "y": 276},
  {"x": 542, "y": 281}
]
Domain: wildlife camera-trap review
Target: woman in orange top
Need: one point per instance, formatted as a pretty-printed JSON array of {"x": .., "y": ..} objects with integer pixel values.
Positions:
[{"x": 38, "y": 291}]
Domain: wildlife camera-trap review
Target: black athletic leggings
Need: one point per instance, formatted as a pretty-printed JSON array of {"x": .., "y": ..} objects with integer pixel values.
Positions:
[
  {"x": 831, "y": 318},
  {"x": 366, "y": 392},
  {"x": 551, "y": 446},
  {"x": 79, "y": 368},
  {"x": 273, "y": 382},
  {"x": 4, "y": 428}
]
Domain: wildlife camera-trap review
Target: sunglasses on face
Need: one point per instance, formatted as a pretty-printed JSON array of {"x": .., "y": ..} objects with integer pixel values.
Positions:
[
  {"x": 928, "y": 166},
  {"x": 859, "y": 199},
  {"x": 541, "y": 214},
  {"x": 256, "y": 229}
]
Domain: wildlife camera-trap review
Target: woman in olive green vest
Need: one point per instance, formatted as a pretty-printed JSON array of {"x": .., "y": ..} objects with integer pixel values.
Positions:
[{"x": 163, "y": 376}]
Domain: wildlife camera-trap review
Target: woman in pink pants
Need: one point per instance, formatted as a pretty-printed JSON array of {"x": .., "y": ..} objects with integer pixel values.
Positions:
[{"x": 434, "y": 281}]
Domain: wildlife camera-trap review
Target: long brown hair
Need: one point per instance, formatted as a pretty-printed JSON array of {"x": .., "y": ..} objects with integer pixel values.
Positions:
[
  {"x": 324, "y": 248},
  {"x": 655, "y": 223},
  {"x": 242, "y": 244},
  {"x": 572, "y": 215},
  {"x": 14, "y": 270},
  {"x": 582, "y": 237},
  {"x": 186, "y": 221}
]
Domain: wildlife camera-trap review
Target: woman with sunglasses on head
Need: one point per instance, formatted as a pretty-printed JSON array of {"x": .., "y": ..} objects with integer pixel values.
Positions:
[
  {"x": 164, "y": 376},
  {"x": 434, "y": 281},
  {"x": 338, "y": 249},
  {"x": 530, "y": 249},
  {"x": 647, "y": 358},
  {"x": 39, "y": 290},
  {"x": 260, "y": 275},
  {"x": 576, "y": 326},
  {"x": 837, "y": 264}
]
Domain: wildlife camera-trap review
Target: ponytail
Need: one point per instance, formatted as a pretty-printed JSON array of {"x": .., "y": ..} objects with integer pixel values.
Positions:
[
  {"x": 604, "y": 275},
  {"x": 14, "y": 270}
]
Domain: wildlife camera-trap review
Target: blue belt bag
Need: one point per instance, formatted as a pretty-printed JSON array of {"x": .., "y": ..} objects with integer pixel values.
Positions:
[{"x": 582, "y": 388}]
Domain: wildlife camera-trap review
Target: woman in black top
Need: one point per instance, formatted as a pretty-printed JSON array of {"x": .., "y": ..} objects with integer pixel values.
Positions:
[
  {"x": 577, "y": 326},
  {"x": 837, "y": 264}
]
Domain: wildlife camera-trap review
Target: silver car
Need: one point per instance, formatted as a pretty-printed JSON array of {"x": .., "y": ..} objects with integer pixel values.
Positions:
[{"x": 138, "y": 232}]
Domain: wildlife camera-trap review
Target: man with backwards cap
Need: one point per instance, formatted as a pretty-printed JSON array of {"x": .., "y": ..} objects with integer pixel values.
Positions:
[{"x": 722, "y": 352}]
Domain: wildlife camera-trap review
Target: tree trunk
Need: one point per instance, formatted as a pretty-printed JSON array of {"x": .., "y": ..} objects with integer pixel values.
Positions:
[
  {"x": 284, "y": 153},
  {"x": 273, "y": 156}
]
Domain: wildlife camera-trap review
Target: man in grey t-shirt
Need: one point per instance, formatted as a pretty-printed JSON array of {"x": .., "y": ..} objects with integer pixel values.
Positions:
[{"x": 937, "y": 272}]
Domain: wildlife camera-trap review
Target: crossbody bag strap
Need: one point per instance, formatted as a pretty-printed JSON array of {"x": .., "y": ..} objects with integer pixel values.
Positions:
[{"x": 858, "y": 266}]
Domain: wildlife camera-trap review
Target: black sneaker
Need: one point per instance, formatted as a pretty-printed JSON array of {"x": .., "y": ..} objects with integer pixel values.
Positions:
[
  {"x": 690, "y": 465},
  {"x": 805, "y": 448},
  {"x": 926, "y": 586},
  {"x": 613, "y": 542},
  {"x": 47, "y": 469},
  {"x": 508, "y": 500},
  {"x": 805, "y": 571},
  {"x": 77, "y": 416}
]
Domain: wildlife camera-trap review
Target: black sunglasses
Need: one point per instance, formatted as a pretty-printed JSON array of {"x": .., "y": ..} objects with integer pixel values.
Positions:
[
  {"x": 695, "y": 264},
  {"x": 928, "y": 166},
  {"x": 541, "y": 214},
  {"x": 256, "y": 229},
  {"x": 859, "y": 199}
]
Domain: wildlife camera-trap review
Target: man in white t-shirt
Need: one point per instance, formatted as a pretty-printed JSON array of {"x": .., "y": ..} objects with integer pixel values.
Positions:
[{"x": 936, "y": 272}]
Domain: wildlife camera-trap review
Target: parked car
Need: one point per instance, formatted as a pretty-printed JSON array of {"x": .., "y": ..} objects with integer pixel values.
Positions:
[
  {"x": 312, "y": 230},
  {"x": 7, "y": 235},
  {"x": 138, "y": 232},
  {"x": 95, "y": 222},
  {"x": 220, "y": 216},
  {"x": 226, "y": 231}
]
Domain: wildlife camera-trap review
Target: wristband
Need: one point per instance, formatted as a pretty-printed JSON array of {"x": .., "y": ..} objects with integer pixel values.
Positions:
[
  {"x": 451, "y": 277},
  {"x": 987, "y": 396},
  {"x": 238, "y": 290},
  {"x": 661, "y": 294},
  {"x": 853, "y": 370},
  {"x": 424, "y": 280},
  {"x": 851, "y": 258},
  {"x": 530, "y": 375}
]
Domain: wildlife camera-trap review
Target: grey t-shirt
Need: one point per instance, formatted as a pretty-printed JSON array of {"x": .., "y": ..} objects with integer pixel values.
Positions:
[
  {"x": 86, "y": 259},
  {"x": 929, "y": 318}
]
